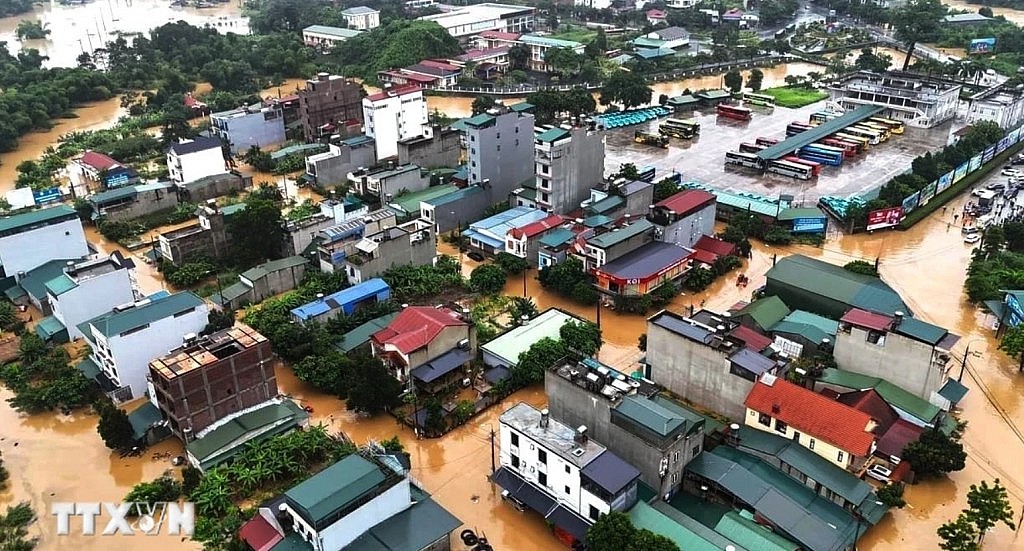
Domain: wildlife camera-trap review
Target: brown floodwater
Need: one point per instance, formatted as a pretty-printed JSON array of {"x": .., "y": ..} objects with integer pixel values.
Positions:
[{"x": 1016, "y": 16}]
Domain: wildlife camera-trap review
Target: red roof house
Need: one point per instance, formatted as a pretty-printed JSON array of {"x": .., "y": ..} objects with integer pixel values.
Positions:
[
  {"x": 869, "y": 320},
  {"x": 259, "y": 534},
  {"x": 535, "y": 228},
  {"x": 751, "y": 338},
  {"x": 872, "y": 403},
  {"x": 687, "y": 201},
  {"x": 813, "y": 415},
  {"x": 897, "y": 437},
  {"x": 426, "y": 343},
  {"x": 98, "y": 161},
  {"x": 715, "y": 245},
  {"x": 499, "y": 35},
  {"x": 394, "y": 92},
  {"x": 656, "y": 16}
]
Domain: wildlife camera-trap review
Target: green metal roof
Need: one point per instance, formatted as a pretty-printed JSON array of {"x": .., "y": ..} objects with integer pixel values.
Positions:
[
  {"x": 14, "y": 292},
  {"x": 410, "y": 202},
  {"x": 335, "y": 487},
  {"x": 823, "y": 130},
  {"x": 644, "y": 42},
  {"x": 112, "y": 323},
  {"x": 36, "y": 217},
  {"x": 267, "y": 268},
  {"x": 230, "y": 293},
  {"x": 714, "y": 94},
  {"x": 742, "y": 200},
  {"x": 112, "y": 195},
  {"x": 794, "y": 213},
  {"x": 552, "y": 135},
  {"x": 144, "y": 417},
  {"x": 510, "y": 345},
  {"x": 292, "y": 542},
  {"x": 60, "y": 285},
  {"x": 88, "y": 368},
  {"x": 766, "y": 312},
  {"x": 521, "y": 107},
  {"x": 802, "y": 275},
  {"x": 752, "y": 535},
  {"x": 646, "y": 517},
  {"x": 655, "y": 417},
  {"x": 222, "y": 443},
  {"x": 892, "y": 394},
  {"x": 36, "y": 279},
  {"x": 606, "y": 205},
  {"x": 361, "y": 335},
  {"x": 414, "y": 528},
  {"x": 953, "y": 390},
  {"x": 810, "y": 326},
  {"x": 557, "y": 237},
  {"x": 479, "y": 120},
  {"x": 921, "y": 330},
  {"x": 228, "y": 210},
  {"x": 614, "y": 237},
  {"x": 711, "y": 424},
  {"x": 50, "y": 328},
  {"x": 685, "y": 99},
  {"x": 454, "y": 196},
  {"x": 549, "y": 42}
]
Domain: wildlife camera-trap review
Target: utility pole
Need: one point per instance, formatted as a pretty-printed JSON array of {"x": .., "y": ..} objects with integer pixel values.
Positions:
[
  {"x": 524, "y": 283},
  {"x": 493, "y": 468},
  {"x": 599, "y": 297}
]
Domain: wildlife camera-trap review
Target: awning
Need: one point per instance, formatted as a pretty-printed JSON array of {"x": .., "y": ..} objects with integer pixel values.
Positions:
[
  {"x": 997, "y": 308},
  {"x": 953, "y": 390},
  {"x": 524, "y": 491},
  {"x": 569, "y": 521},
  {"x": 51, "y": 329},
  {"x": 88, "y": 368}
]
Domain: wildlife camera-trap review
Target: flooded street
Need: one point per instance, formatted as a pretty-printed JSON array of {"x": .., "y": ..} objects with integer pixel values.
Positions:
[{"x": 1016, "y": 16}]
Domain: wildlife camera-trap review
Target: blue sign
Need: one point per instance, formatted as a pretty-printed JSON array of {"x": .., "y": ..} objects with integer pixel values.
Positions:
[
  {"x": 911, "y": 202},
  {"x": 808, "y": 225},
  {"x": 982, "y": 46},
  {"x": 46, "y": 195}
]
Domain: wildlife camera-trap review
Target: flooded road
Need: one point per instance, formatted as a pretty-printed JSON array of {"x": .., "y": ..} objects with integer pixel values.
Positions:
[
  {"x": 83, "y": 27},
  {"x": 1016, "y": 16}
]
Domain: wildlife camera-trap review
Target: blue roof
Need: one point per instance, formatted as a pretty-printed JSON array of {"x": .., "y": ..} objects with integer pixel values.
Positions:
[
  {"x": 653, "y": 53},
  {"x": 610, "y": 472},
  {"x": 340, "y": 299},
  {"x": 492, "y": 230},
  {"x": 442, "y": 365}
]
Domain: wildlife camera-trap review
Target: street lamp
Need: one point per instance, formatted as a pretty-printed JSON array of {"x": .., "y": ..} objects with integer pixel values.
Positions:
[{"x": 963, "y": 361}]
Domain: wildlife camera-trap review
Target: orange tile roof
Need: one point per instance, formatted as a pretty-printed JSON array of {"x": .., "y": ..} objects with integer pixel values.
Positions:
[
  {"x": 392, "y": 92},
  {"x": 813, "y": 414},
  {"x": 533, "y": 228},
  {"x": 416, "y": 326},
  {"x": 686, "y": 201}
]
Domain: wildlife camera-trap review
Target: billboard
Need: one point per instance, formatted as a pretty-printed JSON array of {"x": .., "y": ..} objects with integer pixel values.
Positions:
[
  {"x": 46, "y": 195},
  {"x": 809, "y": 225},
  {"x": 960, "y": 172},
  {"x": 989, "y": 153},
  {"x": 975, "y": 163},
  {"x": 1002, "y": 145},
  {"x": 982, "y": 46},
  {"x": 928, "y": 191},
  {"x": 945, "y": 180},
  {"x": 910, "y": 203},
  {"x": 884, "y": 218},
  {"x": 1014, "y": 135}
]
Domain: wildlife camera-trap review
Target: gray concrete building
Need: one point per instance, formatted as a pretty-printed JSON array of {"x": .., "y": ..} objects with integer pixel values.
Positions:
[
  {"x": 129, "y": 202},
  {"x": 652, "y": 433},
  {"x": 704, "y": 360},
  {"x": 329, "y": 104},
  {"x": 500, "y": 148},
  {"x": 211, "y": 187},
  {"x": 448, "y": 211},
  {"x": 684, "y": 217},
  {"x": 411, "y": 243},
  {"x": 613, "y": 244},
  {"x": 333, "y": 166},
  {"x": 207, "y": 238},
  {"x": 389, "y": 183},
  {"x": 299, "y": 234},
  {"x": 336, "y": 243},
  {"x": 568, "y": 164},
  {"x": 249, "y": 125},
  {"x": 442, "y": 148},
  {"x": 261, "y": 282},
  {"x": 1000, "y": 104},
  {"x": 919, "y": 100}
]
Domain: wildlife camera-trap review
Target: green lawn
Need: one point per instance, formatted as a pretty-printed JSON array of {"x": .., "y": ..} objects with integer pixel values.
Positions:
[
  {"x": 786, "y": 96},
  {"x": 575, "y": 33}
]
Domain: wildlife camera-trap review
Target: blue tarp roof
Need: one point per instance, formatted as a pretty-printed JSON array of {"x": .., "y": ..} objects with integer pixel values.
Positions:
[{"x": 340, "y": 299}]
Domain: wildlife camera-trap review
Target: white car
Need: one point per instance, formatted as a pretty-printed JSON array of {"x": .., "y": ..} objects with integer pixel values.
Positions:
[
  {"x": 878, "y": 472},
  {"x": 1010, "y": 172},
  {"x": 972, "y": 238}
]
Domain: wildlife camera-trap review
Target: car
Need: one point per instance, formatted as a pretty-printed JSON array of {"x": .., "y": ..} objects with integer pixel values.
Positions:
[
  {"x": 972, "y": 238},
  {"x": 879, "y": 472},
  {"x": 1010, "y": 172},
  {"x": 998, "y": 186},
  {"x": 476, "y": 256}
]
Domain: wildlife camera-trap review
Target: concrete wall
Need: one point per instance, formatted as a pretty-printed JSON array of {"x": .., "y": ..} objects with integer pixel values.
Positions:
[
  {"x": 446, "y": 340},
  {"x": 28, "y": 250},
  {"x": 389, "y": 184},
  {"x": 442, "y": 149},
  {"x": 560, "y": 473},
  {"x": 329, "y": 100},
  {"x": 261, "y": 128},
  {"x": 579, "y": 168},
  {"x": 278, "y": 282},
  {"x": 695, "y": 372},
  {"x": 447, "y": 216},
  {"x": 146, "y": 202},
  {"x": 300, "y": 233},
  {"x": 395, "y": 118},
  {"x": 502, "y": 152},
  {"x": 394, "y": 252},
  {"x": 638, "y": 203},
  {"x": 193, "y": 166},
  {"x": 92, "y": 297},
  {"x": 686, "y": 230},
  {"x": 627, "y": 246},
  {"x": 346, "y": 530},
  {"x": 904, "y": 362},
  {"x": 215, "y": 186},
  {"x": 332, "y": 168}
]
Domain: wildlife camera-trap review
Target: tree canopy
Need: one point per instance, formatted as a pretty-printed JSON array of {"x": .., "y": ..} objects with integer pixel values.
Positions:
[
  {"x": 935, "y": 454},
  {"x": 917, "y": 21},
  {"x": 374, "y": 390},
  {"x": 584, "y": 337},
  {"x": 487, "y": 279},
  {"x": 397, "y": 43},
  {"x": 628, "y": 88},
  {"x": 256, "y": 232},
  {"x": 615, "y": 532},
  {"x": 114, "y": 427}
]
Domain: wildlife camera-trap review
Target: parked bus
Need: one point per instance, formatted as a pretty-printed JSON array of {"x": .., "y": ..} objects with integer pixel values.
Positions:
[
  {"x": 896, "y": 127},
  {"x": 796, "y": 128},
  {"x": 657, "y": 140},
  {"x": 815, "y": 167},
  {"x": 881, "y": 128},
  {"x": 647, "y": 174},
  {"x": 844, "y": 142},
  {"x": 866, "y": 128},
  {"x": 871, "y": 136},
  {"x": 748, "y": 160},
  {"x": 679, "y": 128},
  {"x": 822, "y": 116},
  {"x": 764, "y": 100},
  {"x": 768, "y": 142},
  {"x": 793, "y": 170},
  {"x": 733, "y": 112},
  {"x": 849, "y": 149},
  {"x": 812, "y": 153},
  {"x": 864, "y": 142},
  {"x": 751, "y": 147}
]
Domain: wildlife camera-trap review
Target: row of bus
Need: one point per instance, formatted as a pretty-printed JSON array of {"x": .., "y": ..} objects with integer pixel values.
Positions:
[{"x": 791, "y": 166}]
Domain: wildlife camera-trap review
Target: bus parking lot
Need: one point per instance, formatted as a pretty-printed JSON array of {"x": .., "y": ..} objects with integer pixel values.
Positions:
[{"x": 702, "y": 158}]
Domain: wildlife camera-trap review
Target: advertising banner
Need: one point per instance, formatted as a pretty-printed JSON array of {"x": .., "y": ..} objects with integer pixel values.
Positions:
[
  {"x": 884, "y": 218},
  {"x": 1002, "y": 145},
  {"x": 910, "y": 203},
  {"x": 989, "y": 153},
  {"x": 809, "y": 225},
  {"x": 982, "y": 46},
  {"x": 975, "y": 163},
  {"x": 960, "y": 172},
  {"x": 46, "y": 195},
  {"x": 928, "y": 191},
  {"x": 1014, "y": 135},
  {"x": 946, "y": 180}
]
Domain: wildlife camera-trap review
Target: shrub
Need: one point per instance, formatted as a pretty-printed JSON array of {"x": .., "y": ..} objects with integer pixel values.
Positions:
[
  {"x": 488, "y": 279},
  {"x": 861, "y": 267},
  {"x": 511, "y": 263}
]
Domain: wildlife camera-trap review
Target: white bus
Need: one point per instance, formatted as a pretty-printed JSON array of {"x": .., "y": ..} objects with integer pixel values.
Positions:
[
  {"x": 748, "y": 160},
  {"x": 790, "y": 169}
]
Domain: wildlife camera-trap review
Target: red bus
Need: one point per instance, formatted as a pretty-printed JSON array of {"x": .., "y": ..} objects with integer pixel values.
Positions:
[
  {"x": 815, "y": 167},
  {"x": 751, "y": 147},
  {"x": 733, "y": 112},
  {"x": 767, "y": 142},
  {"x": 857, "y": 146},
  {"x": 849, "y": 150}
]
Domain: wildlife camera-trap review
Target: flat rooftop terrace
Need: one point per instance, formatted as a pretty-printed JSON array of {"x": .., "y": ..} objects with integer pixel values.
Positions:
[{"x": 207, "y": 350}]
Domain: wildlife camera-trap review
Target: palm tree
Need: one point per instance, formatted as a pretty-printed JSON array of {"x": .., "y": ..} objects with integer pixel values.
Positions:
[{"x": 522, "y": 306}]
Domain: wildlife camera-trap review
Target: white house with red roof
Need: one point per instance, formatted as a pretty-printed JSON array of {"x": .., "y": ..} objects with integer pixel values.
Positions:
[
  {"x": 842, "y": 434},
  {"x": 524, "y": 241},
  {"x": 431, "y": 347},
  {"x": 656, "y": 17},
  {"x": 684, "y": 218},
  {"x": 394, "y": 114},
  {"x": 95, "y": 168}
]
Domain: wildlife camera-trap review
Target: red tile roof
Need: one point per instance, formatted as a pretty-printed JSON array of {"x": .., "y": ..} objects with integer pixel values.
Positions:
[
  {"x": 686, "y": 201},
  {"x": 656, "y": 14},
  {"x": 813, "y": 414},
  {"x": 534, "y": 228},
  {"x": 498, "y": 35},
  {"x": 714, "y": 245},
  {"x": 191, "y": 102},
  {"x": 897, "y": 437},
  {"x": 751, "y": 338},
  {"x": 416, "y": 327},
  {"x": 98, "y": 161},
  {"x": 398, "y": 91},
  {"x": 863, "y": 318},
  {"x": 439, "y": 65},
  {"x": 873, "y": 404},
  {"x": 707, "y": 257},
  {"x": 259, "y": 534}
]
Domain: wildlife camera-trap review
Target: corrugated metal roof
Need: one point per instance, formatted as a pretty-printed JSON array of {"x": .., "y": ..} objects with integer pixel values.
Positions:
[
  {"x": 510, "y": 345},
  {"x": 646, "y": 261},
  {"x": 751, "y": 535},
  {"x": 442, "y": 365},
  {"x": 827, "y": 128},
  {"x": 613, "y": 237},
  {"x": 267, "y": 268},
  {"x": 36, "y": 217},
  {"x": 332, "y": 31},
  {"x": 651, "y": 416},
  {"x": 552, "y": 135},
  {"x": 646, "y": 517},
  {"x": 676, "y": 324},
  {"x": 833, "y": 282},
  {"x": 361, "y": 335},
  {"x": 221, "y": 443},
  {"x": 921, "y": 330},
  {"x": 556, "y": 237},
  {"x": 335, "y": 487},
  {"x": 794, "y": 213},
  {"x": 410, "y": 203},
  {"x": 610, "y": 472},
  {"x": 417, "y": 527},
  {"x": 35, "y": 280},
  {"x": 114, "y": 323},
  {"x": 341, "y": 298},
  {"x": 766, "y": 312},
  {"x": 895, "y": 396}
]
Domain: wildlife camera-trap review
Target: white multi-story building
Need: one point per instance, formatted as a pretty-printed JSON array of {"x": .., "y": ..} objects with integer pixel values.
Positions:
[
  {"x": 127, "y": 338},
  {"x": 681, "y": 4},
  {"x": 1001, "y": 105},
  {"x": 919, "y": 100},
  {"x": 468, "y": 21},
  {"x": 249, "y": 125},
  {"x": 34, "y": 238},
  {"x": 87, "y": 289},
  {"x": 395, "y": 114},
  {"x": 361, "y": 18},
  {"x": 594, "y": 4},
  {"x": 190, "y": 160},
  {"x": 560, "y": 472}
]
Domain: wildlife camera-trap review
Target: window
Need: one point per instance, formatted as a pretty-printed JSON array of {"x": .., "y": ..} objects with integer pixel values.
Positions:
[
  {"x": 764, "y": 419},
  {"x": 567, "y": 469},
  {"x": 515, "y": 439},
  {"x": 781, "y": 427},
  {"x": 499, "y": 148},
  {"x": 542, "y": 456},
  {"x": 515, "y": 461},
  {"x": 811, "y": 445},
  {"x": 876, "y": 337},
  {"x": 675, "y": 457},
  {"x": 695, "y": 451},
  {"x": 841, "y": 457},
  {"x": 567, "y": 491},
  {"x": 542, "y": 479},
  {"x": 594, "y": 513}
]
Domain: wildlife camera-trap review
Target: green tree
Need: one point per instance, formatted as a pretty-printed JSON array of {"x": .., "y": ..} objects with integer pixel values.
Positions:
[
  {"x": 331, "y": 372},
  {"x": 535, "y": 362},
  {"x": 935, "y": 454},
  {"x": 985, "y": 11},
  {"x": 958, "y": 535},
  {"x": 14, "y": 528},
  {"x": 664, "y": 189},
  {"x": 584, "y": 337},
  {"x": 165, "y": 488},
  {"x": 563, "y": 60},
  {"x": 519, "y": 56},
  {"x": 628, "y": 88},
  {"x": 611, "y": 532},
  {"x": 481, "y": 104},
  {"x": 175, "y": 127},
  {"x": 31, "y": 348},
  {"x": 374, "y": 390},
  {"x": 487, "y": 279},
  {"x": 699, "y": 279},
  {"x": 522, "y": 306},
  {"x": 629, "y": 171},
  {"x": 733, "y": 80},
  {"x": 861, "y": 267},
  {"x": 257, "y": 233},
  {"x": 988, "y": 506},
  {"x": 892, "y": 495},
  {"x": 917, "y": 21},
  {"x": 1013, "y": 343},
  {"x": 870, "y": 61},
  {"x": 754, "y": 79},
  {"x": 31, "y": 30},
  {"x": 645, "y": 540},
  {"x": 114, "y": 427}
]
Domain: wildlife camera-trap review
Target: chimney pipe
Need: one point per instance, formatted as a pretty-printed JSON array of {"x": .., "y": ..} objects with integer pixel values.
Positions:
[
  {"x": 581, "y": 434},
  {"x": 544, "y": 418},
  {"x": 897, "y": 319}
]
